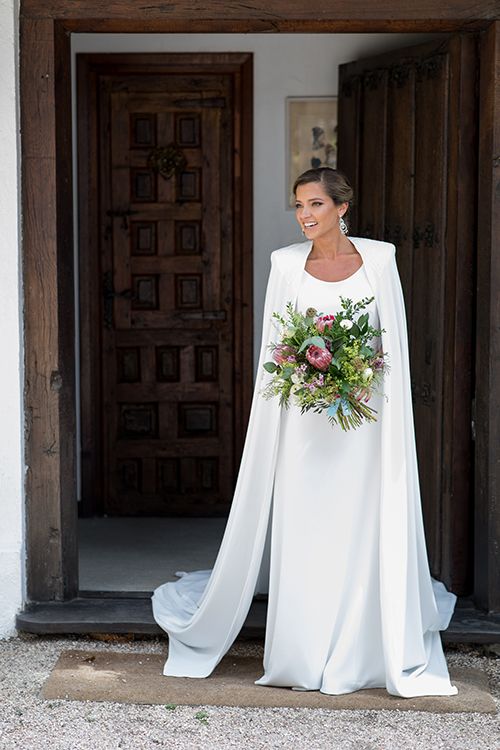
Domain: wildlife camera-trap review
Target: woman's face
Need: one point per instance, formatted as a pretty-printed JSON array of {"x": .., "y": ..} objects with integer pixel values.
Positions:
[{"x": 316, "y": 212}]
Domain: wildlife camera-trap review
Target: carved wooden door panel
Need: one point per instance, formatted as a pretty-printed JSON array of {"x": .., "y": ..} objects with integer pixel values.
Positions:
[
  {"x": 166, "y": 351},
  {"x": 407, "y": 124}
]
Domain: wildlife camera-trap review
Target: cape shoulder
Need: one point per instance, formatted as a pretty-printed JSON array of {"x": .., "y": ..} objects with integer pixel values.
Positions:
[{"x": 376, "y": 253}]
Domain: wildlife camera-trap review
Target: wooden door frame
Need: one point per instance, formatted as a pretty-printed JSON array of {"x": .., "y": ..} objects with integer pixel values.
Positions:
[
  {"x": 46, "y": 26},
  {"x": 238, "y": 66}
]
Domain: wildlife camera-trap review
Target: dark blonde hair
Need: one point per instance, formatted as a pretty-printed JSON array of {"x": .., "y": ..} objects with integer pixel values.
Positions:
[{"x": 334, "y": 182}]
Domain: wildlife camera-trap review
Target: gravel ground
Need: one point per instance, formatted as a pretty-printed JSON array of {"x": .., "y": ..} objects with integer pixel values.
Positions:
[{"x": 30, "y": 723}]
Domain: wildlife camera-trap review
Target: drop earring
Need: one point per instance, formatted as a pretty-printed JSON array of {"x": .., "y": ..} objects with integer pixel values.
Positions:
[{"x": 343, "y": 225}]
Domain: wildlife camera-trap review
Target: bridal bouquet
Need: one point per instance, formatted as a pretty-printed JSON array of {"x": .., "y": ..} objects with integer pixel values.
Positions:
[{"x": 326, "y": 362}]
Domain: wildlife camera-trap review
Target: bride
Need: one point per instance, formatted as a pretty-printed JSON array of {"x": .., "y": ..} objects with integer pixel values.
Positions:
[{"x": 328, "y": 523}]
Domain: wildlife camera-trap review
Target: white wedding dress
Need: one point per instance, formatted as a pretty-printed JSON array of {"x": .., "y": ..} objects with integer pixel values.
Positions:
[
  {"x": 325, "y": 557},
  {"x": 323, "y": 627}
]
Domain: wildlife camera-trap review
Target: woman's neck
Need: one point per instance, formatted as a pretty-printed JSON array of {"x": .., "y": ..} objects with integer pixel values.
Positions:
[{"x": 330, "y": 247}]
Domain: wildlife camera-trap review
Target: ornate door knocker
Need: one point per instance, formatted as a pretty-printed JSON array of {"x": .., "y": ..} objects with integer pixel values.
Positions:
[{"x": 166, "y": 160}]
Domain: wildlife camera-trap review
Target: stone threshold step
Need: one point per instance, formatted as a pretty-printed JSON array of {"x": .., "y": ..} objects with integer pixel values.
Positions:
[
  {"x": 110, "y": 615},
  {"x": 121, "y": 614}
]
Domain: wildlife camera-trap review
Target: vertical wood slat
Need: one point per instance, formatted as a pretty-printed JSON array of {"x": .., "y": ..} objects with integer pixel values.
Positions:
[
  {"x": 348, "y": 146},
  {"x": 88, "y": 230},
  {"x": 241, "y": 129},
  {"x": 373, "y": 152},
  {"x": 117, "y": 182},
  {"x": 211, "y": 207},
  {"x": 104, "y": 250},
  {"x": 48, "y": 304},
  {"x": 487, "y": 411},
  {"x": 457, "y": 485},
  {"x": 428, "y": 308},
  {"x": 228, "y": 259},
  {"x": 400, "y": 173}
]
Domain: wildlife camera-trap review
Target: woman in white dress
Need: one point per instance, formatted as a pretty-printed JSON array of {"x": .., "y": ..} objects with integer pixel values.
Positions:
[{"x": 351, "y": 603}]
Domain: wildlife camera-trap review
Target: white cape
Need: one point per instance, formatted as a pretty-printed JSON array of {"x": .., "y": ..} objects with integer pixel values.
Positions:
[{"x": 204, "y": 611}]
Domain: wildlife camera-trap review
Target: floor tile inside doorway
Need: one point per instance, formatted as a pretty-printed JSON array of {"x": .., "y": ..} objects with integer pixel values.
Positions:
[{"x": 138, "y": 554}]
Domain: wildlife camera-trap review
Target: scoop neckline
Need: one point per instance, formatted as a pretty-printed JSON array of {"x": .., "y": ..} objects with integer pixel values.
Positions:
[{"x": 339, "y": 281}]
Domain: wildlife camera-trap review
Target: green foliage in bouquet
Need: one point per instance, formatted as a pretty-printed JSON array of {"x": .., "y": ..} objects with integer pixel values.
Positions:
[{"x": 328, "y": 362}]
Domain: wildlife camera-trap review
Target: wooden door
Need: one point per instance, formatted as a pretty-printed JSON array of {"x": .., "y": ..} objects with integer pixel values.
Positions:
[
  {"x": 407, "y": 141},
  {"x": 161, "y": 281}
]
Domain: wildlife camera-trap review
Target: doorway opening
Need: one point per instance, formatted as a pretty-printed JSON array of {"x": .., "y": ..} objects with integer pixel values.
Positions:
[
  {"x": 158, "y": 460},
  {"x": 165, "y": 310}
]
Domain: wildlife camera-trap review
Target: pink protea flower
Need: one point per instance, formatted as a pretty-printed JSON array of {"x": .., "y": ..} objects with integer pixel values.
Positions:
[
  {"x": 282, "y": 353},
  {"x": 324, "y": 321},
  {"x": 318, "y": 358}
]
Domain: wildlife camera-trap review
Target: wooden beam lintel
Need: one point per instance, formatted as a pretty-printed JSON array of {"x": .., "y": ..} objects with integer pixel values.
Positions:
[
  {"x": 270, "y": 11},
  {"x": 288, "y": 25}
]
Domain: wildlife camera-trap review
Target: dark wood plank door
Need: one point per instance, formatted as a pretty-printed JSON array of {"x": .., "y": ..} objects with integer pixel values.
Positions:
[
  {"x": 164, "y": 360},
  {"x": 407, "y": 142}
]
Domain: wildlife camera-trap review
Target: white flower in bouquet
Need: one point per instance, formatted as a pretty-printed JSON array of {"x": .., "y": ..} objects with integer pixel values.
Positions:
[
  {"x": 347, "y": 324},
  {"x": 367, "y": 373}
]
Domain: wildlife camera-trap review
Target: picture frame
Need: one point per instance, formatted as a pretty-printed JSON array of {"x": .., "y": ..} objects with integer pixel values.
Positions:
[{"x": 311, "y": 137}]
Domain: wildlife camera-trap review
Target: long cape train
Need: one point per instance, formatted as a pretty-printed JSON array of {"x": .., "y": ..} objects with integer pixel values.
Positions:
[{"x": 204, "y": 611}]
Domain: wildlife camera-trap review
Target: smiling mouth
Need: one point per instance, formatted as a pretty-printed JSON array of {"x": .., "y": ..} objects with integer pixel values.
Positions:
[{"x": 311, "y": 224}]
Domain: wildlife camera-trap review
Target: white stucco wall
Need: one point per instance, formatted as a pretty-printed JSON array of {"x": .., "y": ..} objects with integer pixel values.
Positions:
[{"x": 11, "y": 451}]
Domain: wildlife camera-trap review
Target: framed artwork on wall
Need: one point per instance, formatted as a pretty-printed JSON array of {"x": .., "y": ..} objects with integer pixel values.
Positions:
[{"x": 311, "y": 136}]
